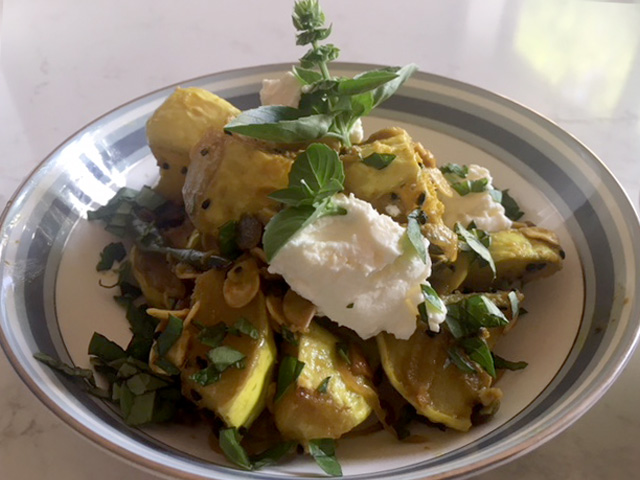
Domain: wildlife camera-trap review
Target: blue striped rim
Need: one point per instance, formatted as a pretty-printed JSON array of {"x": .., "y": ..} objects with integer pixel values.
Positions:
[{"x": 585, "y": 216}]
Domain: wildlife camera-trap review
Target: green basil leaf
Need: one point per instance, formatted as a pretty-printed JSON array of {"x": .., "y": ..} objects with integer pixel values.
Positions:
[
  {"x": 305, "y": 76},
  {"x": 144, "y": 382},
  {"x": 288, "y": 372},
  {"x": 167, "y": 366},
  {"x": 379, "y": 160},
  {"x": 68, "y": 370},
  {"x": 245, "y": 327},
  {"x": 320, "y": 55},
  {"x": 460, "y": 360},
  {"x": 227, "y": 240},
  {"x": 271, "y": 456},
  {"x": 503, "y": 364},
  {"x": 324, "y": 453},
  {"x": 288, "y": 336},
  {"x": 476, "y": 246},
  {"x": 105, "y": 349},
  {"x": 401, "y": 425},
  {"x": 114, "y": 252},
  {"x": 385, "y": 91},
  {"x": 312, "y": 35},
  {"x": 169, "y": 336},
  {"x": 206, "y": 376},
  {"x": 213, "y": 336},
  {"x": 365, "y": 82},
  {"x": 343, "y": 352},
  {"x": 470, "y": 186},
  {"x": 479, "y": 352},
  {"x": 455, "y": 169},
  {"x": 320, "y": 169},
  {"x": 433, "y": 300},
  {"x": 511, "y": 207},
  {"x": 414, "y": 234},
  {"x": 324, "y": 385},
  {"x": 485, "y": 312},
  {"x": 223, "y": 357},
  {"x": 280, "y": 124},
  {"x": 496, "y": 195},
  {"x": 229, "y": 440},
  {"x": 141, "y": 410}
]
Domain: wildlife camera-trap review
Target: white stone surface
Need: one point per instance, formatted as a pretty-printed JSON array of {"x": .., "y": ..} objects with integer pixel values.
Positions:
[{"x": 65, "y": 62}]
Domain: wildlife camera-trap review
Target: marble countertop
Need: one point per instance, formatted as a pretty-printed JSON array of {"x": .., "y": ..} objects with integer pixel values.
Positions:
[{"x": 64, "y": 63}]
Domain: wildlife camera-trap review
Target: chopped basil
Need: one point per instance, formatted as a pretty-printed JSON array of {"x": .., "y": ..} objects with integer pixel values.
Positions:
[
  {"x": 105, "y": 349},
  {"x": 169, "y": 336},
  {"x": 343, "y": 351},
  {"x": 229, "y": 440},
  {"x": 245, "y": 327},
  {"x": 468, "y": 316},
  {"x": 272, "y": 455},
  {"x": 288, "y": 373},
  {"x": 478, "y": 351},
  {"x": 323, "y": 452},
  {"x": 470, "y": 186},
  {"x": 459, "y": 358},
  {"x": 322, "y": 388},
  {"x": 434, "y": 302},
  {"x": 401, "y": 425},
  {"x": 227, "y": 240},
  {"x": 414, "y": 234},
  {"x": 114, "y": 252},
  {"x": 455, "y": 169},
  {"x": 503, "y": 364},
  {"x": 288, "y": 336},
  {"x": 213, "y": 336},
  {"x": 514, "y": 304},
  {"x": 68, "y": 370},
  {"x": 511, "y": 207},
  {"x": 206, "y": 376},
  {"x": 379, "y": 161},
  {"x": 223, "y": 357},
  {"x": 474, "y": 241}
]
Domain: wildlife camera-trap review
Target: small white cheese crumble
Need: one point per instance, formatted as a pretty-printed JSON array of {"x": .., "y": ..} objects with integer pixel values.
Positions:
[
  {"x": 357, "y": 269},
  {"x": 392, "y": 210},
  {"x": 477, "y": 207}
]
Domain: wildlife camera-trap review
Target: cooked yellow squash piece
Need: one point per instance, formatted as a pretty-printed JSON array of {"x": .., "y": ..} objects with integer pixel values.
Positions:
[
  {"x": 520, "y": 255},
  {"x": 303, "y": 413},
  {"x": 176, "y": 126},
  {"x": 403, "y": 186},
  {"x": 239, "y": 395},
  {"x": 229, "y": 178},
  {"x": 160, "y": 287},
  {"x": 420, "y": 370}
]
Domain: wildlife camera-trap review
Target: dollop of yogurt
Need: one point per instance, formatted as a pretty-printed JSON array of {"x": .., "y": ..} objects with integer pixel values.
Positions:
[
  {"x": 358, "y": 269},
  {"x": 477, "y": 207}
]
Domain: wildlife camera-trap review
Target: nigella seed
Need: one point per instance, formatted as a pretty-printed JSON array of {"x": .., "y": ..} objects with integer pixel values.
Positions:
[
  {"x": 206, "y": 204},
  {"x": 204, "y": 152},
  {"x": 195, "y": 395},
  {"x": 394, "y": 196},
  {"x": 184, "y": 170},
  {"x": 166, "y": 166},
  {"x": 562, "y": 254},
  {"x": 421, "y": 198}
]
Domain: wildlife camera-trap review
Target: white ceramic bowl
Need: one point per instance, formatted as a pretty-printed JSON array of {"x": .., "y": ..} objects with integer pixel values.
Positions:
[{"x": 581, "y": 327}]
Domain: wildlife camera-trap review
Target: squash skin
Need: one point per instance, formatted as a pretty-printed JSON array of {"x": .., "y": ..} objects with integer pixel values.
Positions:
[
  {"x": 303, "y": 413},
  {"x": 240, "y": 395},
  {"x": 420, "y": 370},
  {"x": 229, "y": 178},
  {"x": 176, "y": 126}
]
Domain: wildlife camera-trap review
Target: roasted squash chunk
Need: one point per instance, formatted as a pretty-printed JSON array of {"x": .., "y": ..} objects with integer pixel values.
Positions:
[
  {"x": 403, "y": 186},
  {"x": 304, "y": 413},
  {"x": 420, "y": 370},
  {"x": 520, "y": 255},
  {"x": 160, "y": 287},
  {"x": 229, "y": 178},
  {"x": 239, "y": 395},
  {"x": 176, "y": 126}
]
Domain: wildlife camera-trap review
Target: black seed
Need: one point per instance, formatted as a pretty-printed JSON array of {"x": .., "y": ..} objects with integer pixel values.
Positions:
[
  {"x": 204, "y": 152},
  {"x": 394, "y": 196},
  {"x": 421, "y": 198},
  {"x": 562, "y": 254},
  {"x": 195, "y": 395},
  {"x": 184, "y": 170},
  {"x": 228, "y": 132},
  {"x": 166, "y": 166},
  {"x": 206, "y": 204}
]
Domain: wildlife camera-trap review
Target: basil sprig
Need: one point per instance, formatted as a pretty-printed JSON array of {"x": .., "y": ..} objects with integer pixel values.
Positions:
[
  {"x": 315, "y": 176},
  {"x": 329, "y": 106},
  {"x": 288, "y": 372}
]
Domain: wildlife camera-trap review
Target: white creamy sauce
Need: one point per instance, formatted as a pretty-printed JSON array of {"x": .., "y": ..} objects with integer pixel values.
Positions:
[
  {"x": 479, "y": 207},
  {"x": 357, "y": 269},
  {"x": 287, "y": 91}
]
